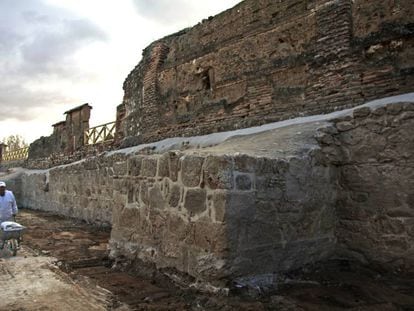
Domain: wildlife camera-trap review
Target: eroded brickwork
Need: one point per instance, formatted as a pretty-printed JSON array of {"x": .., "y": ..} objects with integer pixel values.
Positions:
[{"x": 264, "y": 61}]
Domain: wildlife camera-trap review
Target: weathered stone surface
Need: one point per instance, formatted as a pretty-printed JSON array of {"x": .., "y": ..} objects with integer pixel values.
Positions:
[
  {"x": 376, "y": 182},
  {"x": 191, "y": 170},
  {"x": 120, "y": 168},
  {"x": 344, "y": 126},
  {"x": 270, "y": 187},
  {"x": 379, "y": 111},
  {"x": 218, "y": 172},
  {"x": 174, "y": 164},
  {"x": 210, "y": 237},
  {"x": 245, "y": 164},
  {"x": 195, "y": 201},
  {"x": 156, "y": 200},
  {"x": 324, "y": 138},
  {"x": 149, "y": 167},
  {"x": 244, "y": 182},
  {"x": 251, "y": 214},
  {"x": 134, "y": 165},
  {"x": 174, "y": 196},
  {"x": 395, "y": 108},
  {"x": 163, "y": 166},
  {"x": 240, "y": 205},
  {"x": 241, "y": 69},
  {"x": 144, "y": 193},
  {"x": 361, "y": 112},
  {"x": 219, "y": 198}
]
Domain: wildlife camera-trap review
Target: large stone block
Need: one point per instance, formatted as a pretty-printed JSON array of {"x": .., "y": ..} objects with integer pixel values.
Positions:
[
  {"x": 129, "y": 220},
  {"x": 245, "y": 164},
  {"x": 244, "y": 181},
  {"x": 120, "y": 168},
  {"x": 144, "y": 193},
  {"x": 267, "y": 166},
  {"x": 149, "y": 167},
  {"x": 270, "y": 187},
  {"x": 191, "y": 170},
  {"x": 219, "y": 199},
  {"x": 211, "y": 237},
  {"x": 173, "y": 164},
  {"x": 163, "y": 166},
  {"x": 218, "y": 172},
  {"x": 179, "y": 228},
  {"x": 121, "y": 185},
  {"x": 174, "y": 196},
  {"x": 195, "y": 201},
  {"x": 240, "y": 205},
  {"x": 134, "y": 165}
]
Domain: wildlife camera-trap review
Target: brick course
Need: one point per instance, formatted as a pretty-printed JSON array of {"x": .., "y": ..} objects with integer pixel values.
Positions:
[{"x": 264, "y": 61}]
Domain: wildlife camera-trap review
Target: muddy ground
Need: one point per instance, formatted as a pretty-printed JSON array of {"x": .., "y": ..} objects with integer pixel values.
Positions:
[{"x": 63, "y": 265}]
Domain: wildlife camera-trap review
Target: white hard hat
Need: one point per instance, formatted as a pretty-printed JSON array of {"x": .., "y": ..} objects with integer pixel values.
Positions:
[{"x": 2, "y": 184}]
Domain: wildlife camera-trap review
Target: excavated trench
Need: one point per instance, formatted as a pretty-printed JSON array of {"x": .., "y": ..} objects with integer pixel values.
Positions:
[{"x": 81, "y": 251}]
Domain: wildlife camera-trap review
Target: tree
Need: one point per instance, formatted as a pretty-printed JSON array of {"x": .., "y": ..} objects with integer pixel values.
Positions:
[{"x": 15, "y": 142}]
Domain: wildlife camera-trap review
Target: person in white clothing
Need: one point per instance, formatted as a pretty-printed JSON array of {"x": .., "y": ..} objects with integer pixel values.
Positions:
[{"x": 8, "y": 206}]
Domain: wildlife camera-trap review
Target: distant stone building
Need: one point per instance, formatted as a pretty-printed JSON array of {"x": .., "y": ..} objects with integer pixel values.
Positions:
[
  {"x": 59, "y": 135},
  {"x": 2, "y": 150},
  {"x": 77, "y": 122},
  {"x": 67, "y": 135}
]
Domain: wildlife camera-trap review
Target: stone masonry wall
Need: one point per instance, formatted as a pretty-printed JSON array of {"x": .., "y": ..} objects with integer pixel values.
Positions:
[
  {"x": 215, "y": 217},
  {"x": 373, "y": 150},
  {"x": 266, "y": 60},
  {"x": 225, "y": 216},
  {"x": 82, "y": 190},
  {"x": 220, "y": 217}
]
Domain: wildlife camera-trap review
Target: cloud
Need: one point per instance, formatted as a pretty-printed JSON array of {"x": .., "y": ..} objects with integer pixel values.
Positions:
[
  {"x": 164, "y": 11},
  {"x": 53, "y": 45},
  {"x": 180, "y": 13},
  {"x": 34, "y": 17},
  {"x": 38, "y": 45},
  {"x": 20, "y": 103},
  {"x": 53, "y": 56}
]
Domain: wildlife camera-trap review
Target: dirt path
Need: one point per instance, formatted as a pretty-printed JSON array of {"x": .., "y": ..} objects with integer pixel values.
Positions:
[
  {"x": 63, "y": 265},
  {"x": 30, "y": 282}
]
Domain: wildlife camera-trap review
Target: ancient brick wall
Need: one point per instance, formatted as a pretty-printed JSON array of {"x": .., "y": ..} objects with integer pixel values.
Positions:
[
  {"x": 267, "y": 60},
  {"x": 373, "y": 150}
]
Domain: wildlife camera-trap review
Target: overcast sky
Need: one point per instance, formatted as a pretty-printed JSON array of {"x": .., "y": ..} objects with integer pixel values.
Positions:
[{"x": 58, "y": 54}]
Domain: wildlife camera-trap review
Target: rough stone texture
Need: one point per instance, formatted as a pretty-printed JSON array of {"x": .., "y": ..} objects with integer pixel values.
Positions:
[
  {"x": 264, "y": 61},
  {"x": 375, "y": 206},
  {"x": 191, "y": 171},
  {"x": 268, "y": 202},
  {"x": 296, "y": 195},
  {"x": 212, "y": 215},
  {"x": 85, "y": 190}
]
